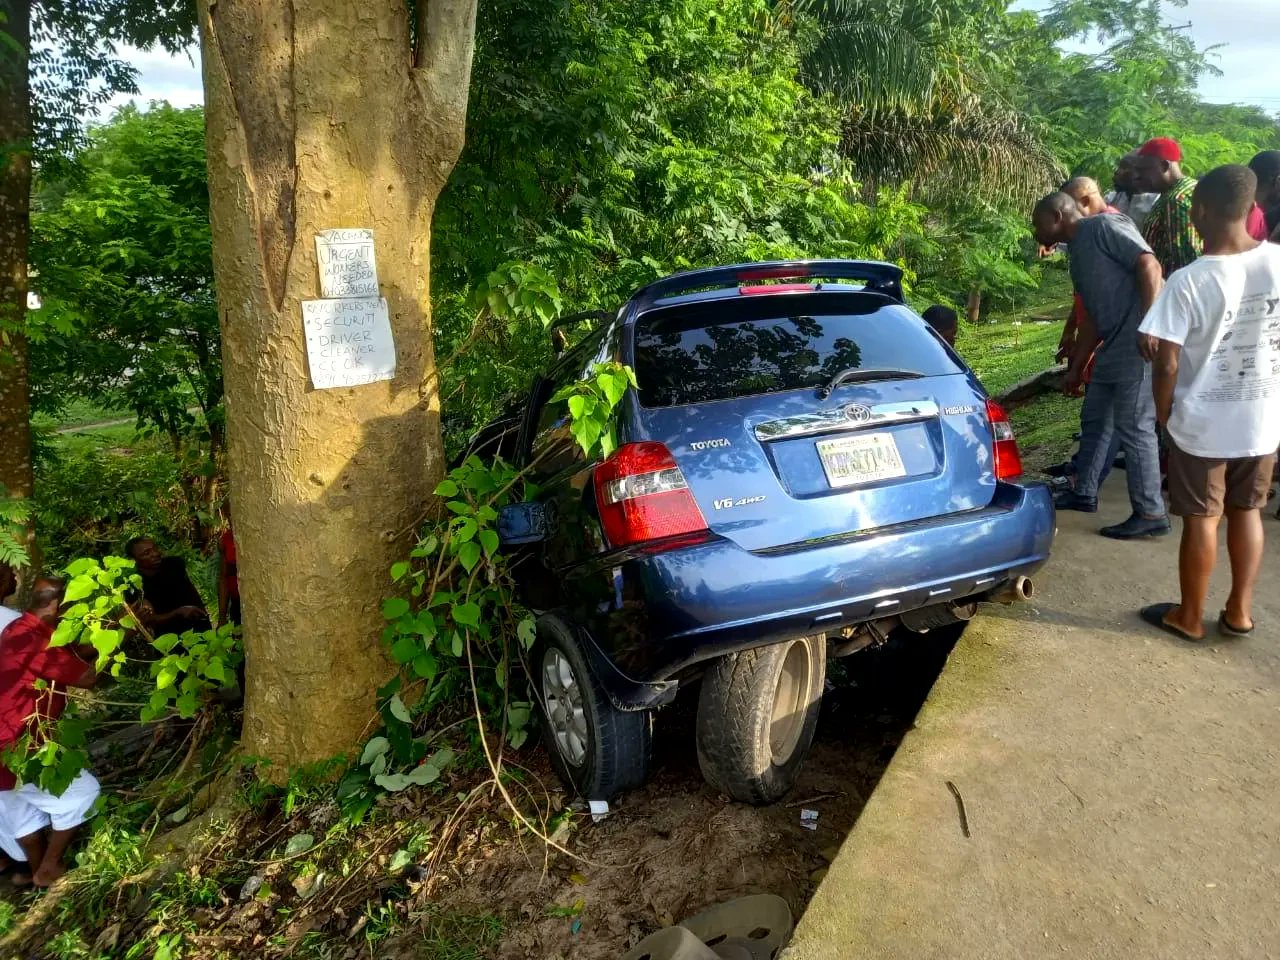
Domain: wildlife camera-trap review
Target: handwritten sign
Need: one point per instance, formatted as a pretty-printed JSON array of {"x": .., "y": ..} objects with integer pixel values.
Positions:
[
  {"x": 348, "y": 341},
  {"x": 347, "y": 265}
]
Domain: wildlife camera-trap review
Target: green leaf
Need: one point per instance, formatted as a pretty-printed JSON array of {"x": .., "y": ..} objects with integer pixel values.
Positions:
[
  {"x": 398, "y": 710},
  {"x": 527, "y": 632},
  {"x": 392, "y": 782},
  {"x": 577, "y": 405},
  {"x": 447, "y": 488},
  {"x": 398, "y": 570},
  {"x": 406, "y": 647},
  {"x": 187, "y": 704},
  {"x": 393, "y": 608},
  {"x": 214, "y": 670},
  {"x": 79, "y": 588},
  {"x": 399, "y": 860},
  {"x": 489, "y": 540},
  {"x": 299, "y": 843},
  {"x": 166, "y": 675},
  {"x": 374, "y": 748},
  {"x": 468, "y": 614},
  {"x": 464, "y": 531},
  {"x": 424, "y": 665},
  {"x": 469, "y": 555},
  {"x": 457, "y": 645}
]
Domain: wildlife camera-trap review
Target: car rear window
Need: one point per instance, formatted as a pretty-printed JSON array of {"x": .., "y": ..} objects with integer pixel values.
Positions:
[{"x": 700, "y": 352}]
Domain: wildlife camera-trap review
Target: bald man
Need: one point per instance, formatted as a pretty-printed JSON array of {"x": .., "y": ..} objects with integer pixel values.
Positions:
[
  {"x": 1088, "y": 195},
  {"x": 1117, "y": 279}
]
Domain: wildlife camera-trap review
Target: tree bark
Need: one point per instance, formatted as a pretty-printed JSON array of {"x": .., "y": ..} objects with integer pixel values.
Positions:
[
  {"x": 321, "y": 115},
  {"x": 973, "y": 308},
  {"x": 15, "y": 235}
]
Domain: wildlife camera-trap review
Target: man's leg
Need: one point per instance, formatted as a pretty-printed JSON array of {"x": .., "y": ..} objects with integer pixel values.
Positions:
[
  {"x": 1135, "y": 413},
  {"x": 66, "y": 813},
  {"x": 1244, "y": 546},
  {"x": 1096, "y": 430},
  {"x": 1196, "y": 557},
  {"x": 1248, "y": 483},
  {"x": 21, "y": 835}
]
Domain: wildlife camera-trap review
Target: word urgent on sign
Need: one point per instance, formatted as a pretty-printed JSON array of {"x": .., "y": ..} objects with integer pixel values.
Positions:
[
  {"x": 348, "y": 341},
  {"x": 346, "y": 262}
]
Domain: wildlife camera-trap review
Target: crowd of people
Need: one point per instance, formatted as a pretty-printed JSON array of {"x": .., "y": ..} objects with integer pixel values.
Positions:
[
  {"x": 1174, "y": 338},
  {"x": 37, "y": 825}
]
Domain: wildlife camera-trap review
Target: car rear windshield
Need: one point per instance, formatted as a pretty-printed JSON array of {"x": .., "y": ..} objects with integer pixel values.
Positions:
[{"x": 699, "y": 352}]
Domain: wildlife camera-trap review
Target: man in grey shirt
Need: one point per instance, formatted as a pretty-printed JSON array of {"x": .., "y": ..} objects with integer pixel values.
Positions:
[{"x": 1117, "y": 278}]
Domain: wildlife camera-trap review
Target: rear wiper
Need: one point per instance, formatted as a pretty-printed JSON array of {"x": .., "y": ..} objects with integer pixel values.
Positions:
[{"x": 859, "y": 375}]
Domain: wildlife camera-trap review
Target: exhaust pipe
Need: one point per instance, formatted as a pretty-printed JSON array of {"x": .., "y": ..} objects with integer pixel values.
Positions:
[
  {"x": 937, "y": 616},
  {"x": 1017, "y": 590}
]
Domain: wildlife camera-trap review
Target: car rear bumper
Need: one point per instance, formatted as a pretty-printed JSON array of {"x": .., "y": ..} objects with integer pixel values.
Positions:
[{"x": 671, "y": 610}]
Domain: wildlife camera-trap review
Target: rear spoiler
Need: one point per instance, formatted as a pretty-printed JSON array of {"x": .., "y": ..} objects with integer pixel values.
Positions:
[{"x": 882, "y": 278}]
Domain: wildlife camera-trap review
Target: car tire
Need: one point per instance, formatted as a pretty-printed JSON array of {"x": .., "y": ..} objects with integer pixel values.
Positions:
[
  {"x": 757, "y": 714},
  {"x": 597, "y": 750}
]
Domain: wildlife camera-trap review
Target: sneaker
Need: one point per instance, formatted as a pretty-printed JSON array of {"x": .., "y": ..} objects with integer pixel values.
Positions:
[
  {"x": 1137, "y": 528},
  {"x": 1071, "y": 500}
]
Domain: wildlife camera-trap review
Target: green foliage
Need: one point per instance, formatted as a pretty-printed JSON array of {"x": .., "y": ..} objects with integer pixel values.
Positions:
[
  {"x": 98, "y": 617},
  {"x": 455, "y": 627},
  {"x": 14, "y": 514},
  {"x": 591, "y": 403},
  {"x": 124, "y": 257}
]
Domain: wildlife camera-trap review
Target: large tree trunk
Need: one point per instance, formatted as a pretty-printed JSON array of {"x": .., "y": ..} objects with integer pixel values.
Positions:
[
  {"x": 322, "y": 115},
  {"x": 15, "y": 234}
]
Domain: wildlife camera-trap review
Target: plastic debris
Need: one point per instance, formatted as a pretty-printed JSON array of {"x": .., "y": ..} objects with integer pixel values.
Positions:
[
  {"x": 599, "y": 809},
  {"x": 575, "y": 928},
  {"x": 809, "y": 819}
]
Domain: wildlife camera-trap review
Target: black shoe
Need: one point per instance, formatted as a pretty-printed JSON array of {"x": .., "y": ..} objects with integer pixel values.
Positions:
[
  {"x": 1137, "y": 528},
  {"x": 1073, "y": 501},
  {"x": 1065, "y": 469}
]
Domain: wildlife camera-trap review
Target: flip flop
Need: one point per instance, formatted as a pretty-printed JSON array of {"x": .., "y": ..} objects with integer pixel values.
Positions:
[
  {"x": 1155, "y": 615},
  {"x": 1227, "y": 630}
]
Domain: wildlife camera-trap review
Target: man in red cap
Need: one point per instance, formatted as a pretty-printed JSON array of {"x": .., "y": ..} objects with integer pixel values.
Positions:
[{"x": 1169, "y": 230}]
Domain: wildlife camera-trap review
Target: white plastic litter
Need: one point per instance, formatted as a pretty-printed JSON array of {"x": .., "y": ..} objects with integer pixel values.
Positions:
[
  {"x": 809, "y": 819},
  {"x": 599, "y": 809}
]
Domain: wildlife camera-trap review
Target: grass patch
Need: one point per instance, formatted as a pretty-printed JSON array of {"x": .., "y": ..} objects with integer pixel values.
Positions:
[
  {"x": 458, "y": 936},
  {"x": 1044, "y": 428},
  {"x": 79, "y": 411}
]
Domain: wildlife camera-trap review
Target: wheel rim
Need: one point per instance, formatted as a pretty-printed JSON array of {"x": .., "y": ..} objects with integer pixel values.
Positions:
[
  {"x": 562, "y": 695},
  {"x": 790, "y": 702}
]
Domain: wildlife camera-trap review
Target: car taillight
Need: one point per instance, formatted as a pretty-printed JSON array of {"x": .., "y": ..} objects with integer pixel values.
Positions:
[
  {"x": 642, "y": 495},
  {"x": 1008, "y": 461}
]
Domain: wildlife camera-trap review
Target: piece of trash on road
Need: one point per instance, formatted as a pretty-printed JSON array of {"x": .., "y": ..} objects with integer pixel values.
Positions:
[
  {"x": 599, "y": 809},
  {"x": 809, "y": 819}
]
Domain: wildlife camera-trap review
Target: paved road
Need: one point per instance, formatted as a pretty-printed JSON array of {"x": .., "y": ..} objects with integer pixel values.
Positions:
[{"x": 1122, "y": 788}]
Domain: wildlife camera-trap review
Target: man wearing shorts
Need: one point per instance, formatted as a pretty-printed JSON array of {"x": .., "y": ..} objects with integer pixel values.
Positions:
[
  {"x": 1215, "y": 334},
  {"x": 37, "y": 826}
]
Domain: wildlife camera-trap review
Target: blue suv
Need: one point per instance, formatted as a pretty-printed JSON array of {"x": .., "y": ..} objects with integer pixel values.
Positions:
[{"x": 804, "y": 467}]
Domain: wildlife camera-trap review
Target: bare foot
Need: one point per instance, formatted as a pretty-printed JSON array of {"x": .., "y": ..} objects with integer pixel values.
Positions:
[{"x": 48, "y": 873}]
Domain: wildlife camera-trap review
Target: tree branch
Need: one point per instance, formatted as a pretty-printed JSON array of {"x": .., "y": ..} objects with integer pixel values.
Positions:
[{"x": 446, "y": 32}]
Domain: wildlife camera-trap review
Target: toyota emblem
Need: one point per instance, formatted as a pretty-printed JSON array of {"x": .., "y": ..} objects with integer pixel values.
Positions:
[{"x": 857, "y": 413}]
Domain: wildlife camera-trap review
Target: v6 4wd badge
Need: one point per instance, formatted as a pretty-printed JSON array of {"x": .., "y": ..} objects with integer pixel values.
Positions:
[{"x": 730, "y": 502}]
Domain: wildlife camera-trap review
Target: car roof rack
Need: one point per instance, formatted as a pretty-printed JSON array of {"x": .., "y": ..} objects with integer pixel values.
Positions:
[{"x": 878, "y": 277}]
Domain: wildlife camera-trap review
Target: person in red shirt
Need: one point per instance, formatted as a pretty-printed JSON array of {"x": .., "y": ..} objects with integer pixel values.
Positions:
[
  {"x": 37, "y": 826},
  {"x": 228, "y": 578}
]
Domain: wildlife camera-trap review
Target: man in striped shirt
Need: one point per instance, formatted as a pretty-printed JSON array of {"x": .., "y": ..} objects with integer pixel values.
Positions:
[{"x": 1168, "y": 230}]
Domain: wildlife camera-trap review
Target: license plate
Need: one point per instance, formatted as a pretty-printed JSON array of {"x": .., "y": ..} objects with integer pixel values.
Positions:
[{"x": 849, "y": 461}]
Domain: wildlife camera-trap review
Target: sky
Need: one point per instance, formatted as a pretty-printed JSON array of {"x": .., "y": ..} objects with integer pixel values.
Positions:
[{"x": 1250, "y": 29}]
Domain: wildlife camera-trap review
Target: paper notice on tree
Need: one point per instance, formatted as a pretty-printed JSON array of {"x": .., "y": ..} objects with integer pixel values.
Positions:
[
  {"x": 348, "y": 341},
  {"x": 347, "y": 265}
]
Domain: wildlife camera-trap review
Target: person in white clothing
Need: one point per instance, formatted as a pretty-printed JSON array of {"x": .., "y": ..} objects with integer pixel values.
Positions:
[
  {"x": 1214, "y": 334},
  {"x": 1127, "y": 197}
]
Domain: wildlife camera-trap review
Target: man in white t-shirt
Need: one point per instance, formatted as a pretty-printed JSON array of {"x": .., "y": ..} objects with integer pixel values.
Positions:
[{"x": 1215, "y": 334}]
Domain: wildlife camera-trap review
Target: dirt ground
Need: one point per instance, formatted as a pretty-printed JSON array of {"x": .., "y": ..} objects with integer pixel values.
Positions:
[{"x": 676, "y": 847}]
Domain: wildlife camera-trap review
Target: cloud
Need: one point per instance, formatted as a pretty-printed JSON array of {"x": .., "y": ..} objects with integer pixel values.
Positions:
[{"x": 163, "y": 76}]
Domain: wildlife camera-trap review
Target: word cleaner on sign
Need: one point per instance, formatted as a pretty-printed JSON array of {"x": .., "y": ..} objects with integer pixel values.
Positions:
[
  {"x": 348, "y": 341},
  {"x": 346, "y": 262}
]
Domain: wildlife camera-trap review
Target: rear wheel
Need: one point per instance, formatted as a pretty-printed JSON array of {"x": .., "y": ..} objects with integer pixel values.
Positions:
[
  {"x": 598, "y": 750},
  {"x": 756, "y": 717}
]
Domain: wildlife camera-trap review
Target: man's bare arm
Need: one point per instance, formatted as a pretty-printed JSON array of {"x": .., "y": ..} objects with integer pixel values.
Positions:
[
  {"x": 1165, "y": 378},
  {"x": 1150, "y": 282}
]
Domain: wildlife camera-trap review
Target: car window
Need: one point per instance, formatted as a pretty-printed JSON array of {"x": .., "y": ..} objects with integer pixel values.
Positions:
[{"x": 718, "y": 350}]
